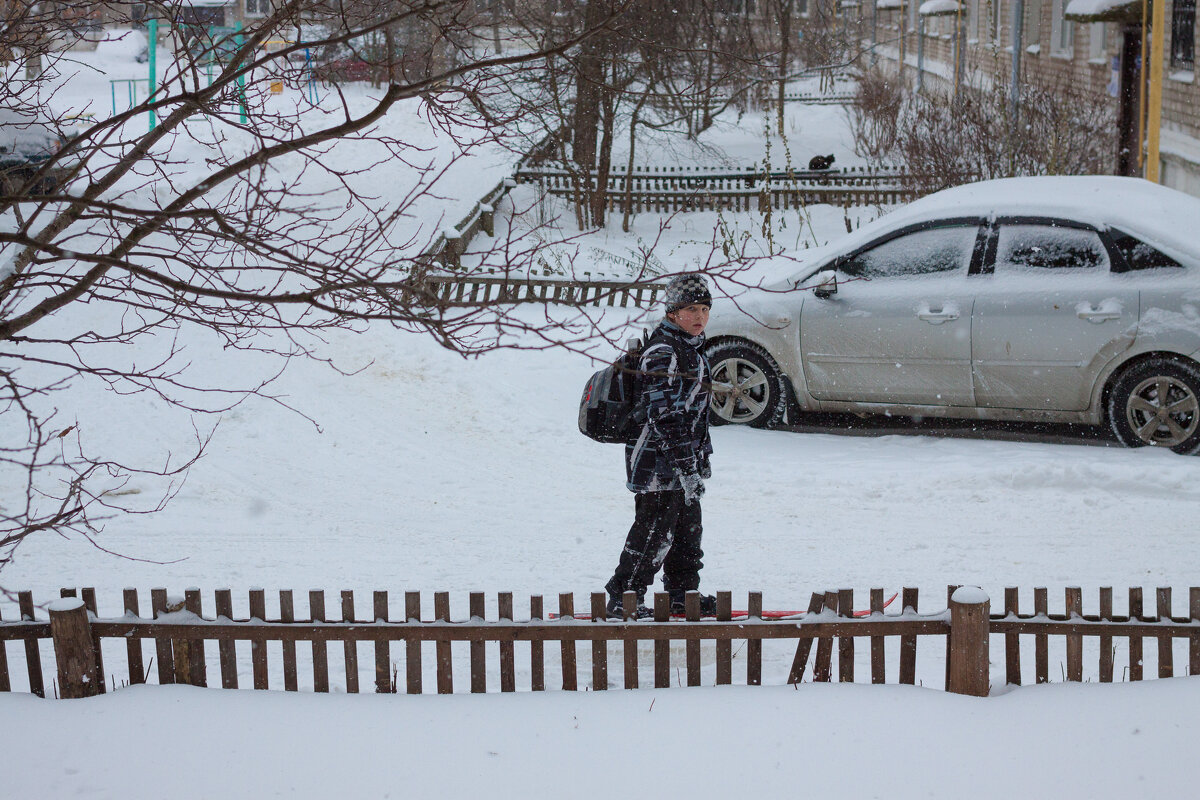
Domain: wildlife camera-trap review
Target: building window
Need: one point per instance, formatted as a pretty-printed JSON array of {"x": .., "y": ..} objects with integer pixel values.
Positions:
[
  {"x": 994, "y": 21},
  {"x": 1033, "y": 23},
  {"x": 1097, "y": 41},
  {"x": 1062, "y": 32},
  {"x": 1183, "y": 34},
  {"x": 258, "y": 8}
]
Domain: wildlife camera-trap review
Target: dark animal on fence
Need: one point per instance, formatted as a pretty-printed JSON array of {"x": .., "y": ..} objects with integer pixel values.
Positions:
[{"x": 821, "y": 162}]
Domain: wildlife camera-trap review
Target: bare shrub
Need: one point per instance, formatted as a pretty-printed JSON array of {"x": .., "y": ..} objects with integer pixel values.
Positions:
[
  {"x": 873, "y": 115},
  {"x": 945, "y": 140}
]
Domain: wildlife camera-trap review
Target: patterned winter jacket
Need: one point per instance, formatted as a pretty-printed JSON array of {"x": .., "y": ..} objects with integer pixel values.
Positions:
[{"x": 673, "y": 379}]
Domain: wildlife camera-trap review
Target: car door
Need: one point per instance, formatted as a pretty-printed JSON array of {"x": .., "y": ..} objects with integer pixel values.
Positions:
[
  {"x": 898, "y": 329},
  {"x": 1049, "y": 316}
]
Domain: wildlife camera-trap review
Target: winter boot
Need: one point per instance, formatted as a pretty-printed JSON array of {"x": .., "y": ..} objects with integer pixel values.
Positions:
[
  {"x": 616, "y": 608},
  {"x": 708, "y": 605}
]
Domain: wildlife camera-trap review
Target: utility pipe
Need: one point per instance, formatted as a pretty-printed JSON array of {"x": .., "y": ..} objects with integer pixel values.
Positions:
[{"x": 1154, "y": 124}]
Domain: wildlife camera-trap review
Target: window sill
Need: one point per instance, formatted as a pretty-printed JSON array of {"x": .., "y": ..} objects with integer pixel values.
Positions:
[
  {"x": 1034, "y": 49},
  {"x": 1062, "y": 55},
  {"x": 1182, "y": 76}
]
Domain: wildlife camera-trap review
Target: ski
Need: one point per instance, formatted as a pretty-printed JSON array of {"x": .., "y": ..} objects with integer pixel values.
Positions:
[{"x": 740, "y": 614}]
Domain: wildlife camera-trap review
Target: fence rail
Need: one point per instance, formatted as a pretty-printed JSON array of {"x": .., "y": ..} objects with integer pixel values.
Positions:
[
  {"x": 179, "y": 632},
  {"x": 764, "y": 96}
]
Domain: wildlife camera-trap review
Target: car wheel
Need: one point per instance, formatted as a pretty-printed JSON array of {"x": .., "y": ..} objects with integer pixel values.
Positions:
[
  {"x": 747, "y": 386},
  {"x": 1157, "y": 402}
]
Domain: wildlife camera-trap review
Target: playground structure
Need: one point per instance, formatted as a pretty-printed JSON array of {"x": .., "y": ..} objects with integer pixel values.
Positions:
[{"x": 211, "y": 49}]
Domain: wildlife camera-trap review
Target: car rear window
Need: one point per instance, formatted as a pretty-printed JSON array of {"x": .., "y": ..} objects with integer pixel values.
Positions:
[
  {"x": 1139, "y": 255},
  {"x": 1022, "y": 248}
]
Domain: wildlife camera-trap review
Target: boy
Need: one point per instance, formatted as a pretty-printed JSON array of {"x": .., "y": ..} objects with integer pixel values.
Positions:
[{"x": 667, "y": 462}]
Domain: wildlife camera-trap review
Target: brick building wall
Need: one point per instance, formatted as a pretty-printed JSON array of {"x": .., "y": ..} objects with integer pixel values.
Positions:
[{"x": 1083, "y": 57}]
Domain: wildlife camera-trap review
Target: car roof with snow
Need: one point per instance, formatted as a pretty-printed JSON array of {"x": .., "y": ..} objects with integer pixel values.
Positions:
[
  {"x": 1100, "y": 200},
  {"x": 1162, "y": 217}
]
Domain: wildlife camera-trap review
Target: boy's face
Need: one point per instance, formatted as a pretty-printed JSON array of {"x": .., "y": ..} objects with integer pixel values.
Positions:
[{"x": 692, "y": 319}]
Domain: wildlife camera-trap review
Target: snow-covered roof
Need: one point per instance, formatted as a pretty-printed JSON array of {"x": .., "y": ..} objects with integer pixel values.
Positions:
[
  {"x": 938, "y": 8},
  {"x": 203, "y": 3},
  {"x": 1163, "y": 217},
  {"x": 1102, "y": 10},
  {"x": 889, "y": 5}
]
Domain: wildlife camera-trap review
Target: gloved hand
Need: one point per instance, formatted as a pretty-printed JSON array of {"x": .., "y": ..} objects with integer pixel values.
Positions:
[{"x": 693, "y": 488}]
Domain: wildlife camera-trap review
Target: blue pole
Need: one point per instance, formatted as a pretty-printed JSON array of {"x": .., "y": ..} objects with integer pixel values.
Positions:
[
  {"x": 152, "y": 53},
  {"x": 238, "y": 40}
]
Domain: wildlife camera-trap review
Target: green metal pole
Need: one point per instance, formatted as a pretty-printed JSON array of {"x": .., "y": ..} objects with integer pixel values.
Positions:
[
  {"x": 238, "y": 40},
  {"x": 152, "y": 52}
]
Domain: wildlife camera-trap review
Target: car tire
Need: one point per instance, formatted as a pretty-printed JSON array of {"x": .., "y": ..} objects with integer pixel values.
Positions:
[
  {"x": 756, "y": 394},
  {"x": 1137, "y": 414}
]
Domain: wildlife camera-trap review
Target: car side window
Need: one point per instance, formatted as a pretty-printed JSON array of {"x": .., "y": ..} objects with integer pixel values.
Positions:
[
  {"x": 1022, "y": 248},
  {"x": 933, "y": 250},
  {"x": 1139, "y": 255}
]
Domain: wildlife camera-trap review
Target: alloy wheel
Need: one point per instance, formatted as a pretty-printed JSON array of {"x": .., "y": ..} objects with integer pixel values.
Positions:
[
  {"x": 1162, "y": 411},
  {"x": 740, "y": 390}
]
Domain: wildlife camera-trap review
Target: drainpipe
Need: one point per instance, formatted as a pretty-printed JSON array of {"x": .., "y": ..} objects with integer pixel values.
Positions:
[
  {"x": 921, "y": 53},
  {"x": 1018, "y": 38},
  {"x": 1154, "y": 123}
]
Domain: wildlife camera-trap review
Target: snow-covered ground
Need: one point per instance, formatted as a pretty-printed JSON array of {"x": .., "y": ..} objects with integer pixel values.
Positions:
[
  {"x": 889, "y": 742},
  {"x": 427, "y": 471},
  {"x": 433, "y": 472}
]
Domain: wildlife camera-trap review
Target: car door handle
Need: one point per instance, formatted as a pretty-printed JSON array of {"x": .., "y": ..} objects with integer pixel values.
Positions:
[
  {"x": 937, "y": 317},
  {"x": 1097, "y": 317}
]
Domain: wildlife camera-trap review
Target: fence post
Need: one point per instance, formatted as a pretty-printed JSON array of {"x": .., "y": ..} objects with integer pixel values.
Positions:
[
  {"x": 180, "y": 648},
  {"x": 969, "y": 611},
  {"x": 74, "y": 650}
]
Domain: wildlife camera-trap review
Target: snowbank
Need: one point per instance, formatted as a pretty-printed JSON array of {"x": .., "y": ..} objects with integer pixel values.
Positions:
[{"x": 820, "y": 740}]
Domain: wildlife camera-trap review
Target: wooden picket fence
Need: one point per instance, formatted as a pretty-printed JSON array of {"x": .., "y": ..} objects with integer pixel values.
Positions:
[
  {"x": 684, "y": 189},
  {"x": 180, "y": 630},
  {"x": 688, "y": 178},
  {"x": 471, "y": 289}
]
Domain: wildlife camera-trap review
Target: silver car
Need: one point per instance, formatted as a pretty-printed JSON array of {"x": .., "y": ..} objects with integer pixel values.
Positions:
[{"x": 1064, "y": 299}]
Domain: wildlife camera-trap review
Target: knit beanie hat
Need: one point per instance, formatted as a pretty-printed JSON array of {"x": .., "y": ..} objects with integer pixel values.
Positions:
[{"x": 685, "y": 290}]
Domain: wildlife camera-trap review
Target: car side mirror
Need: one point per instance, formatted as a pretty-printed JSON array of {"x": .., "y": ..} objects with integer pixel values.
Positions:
[{"x": 826, "y": 284}]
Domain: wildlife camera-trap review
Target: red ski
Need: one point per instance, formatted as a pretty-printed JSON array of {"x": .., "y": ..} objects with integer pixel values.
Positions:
[{"x": 737, "y": 614}]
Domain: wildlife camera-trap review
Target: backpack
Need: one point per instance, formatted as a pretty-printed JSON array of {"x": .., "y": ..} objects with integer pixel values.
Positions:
[{"x": 608, "y": 411}]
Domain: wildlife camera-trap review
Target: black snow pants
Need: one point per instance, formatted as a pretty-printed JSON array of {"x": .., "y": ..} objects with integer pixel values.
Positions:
[{"x": 665, "y": 534}]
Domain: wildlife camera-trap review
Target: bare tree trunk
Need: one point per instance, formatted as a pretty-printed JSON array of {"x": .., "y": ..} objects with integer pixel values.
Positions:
[
  {"x": 589, "y": 81},
  {"x": 785, "y": 55},
  {"x": 604, "y": 165},
  {"x": 633, "y": 124},
  {"x": 495, "y": 5}
]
